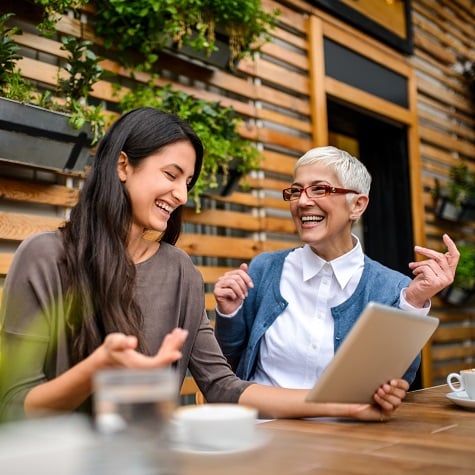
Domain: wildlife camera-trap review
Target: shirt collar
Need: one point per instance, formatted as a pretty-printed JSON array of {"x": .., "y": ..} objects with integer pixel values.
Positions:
[{"x": 343, "y": 267}]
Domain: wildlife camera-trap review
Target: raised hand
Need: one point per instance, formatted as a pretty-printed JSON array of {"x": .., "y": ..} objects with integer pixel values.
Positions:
[
  {"x": 432, "y": 274},
  {"x": 231, "y": 289},
  {"x": 120, "y": 351}
]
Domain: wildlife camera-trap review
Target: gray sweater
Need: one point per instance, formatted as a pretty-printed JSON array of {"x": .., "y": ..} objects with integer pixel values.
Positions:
[{"x": 34, "y": 348}]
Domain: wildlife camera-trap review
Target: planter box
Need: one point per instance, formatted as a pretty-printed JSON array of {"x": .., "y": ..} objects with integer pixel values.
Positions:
[
  {"x": 455, "y": 295},
  {"x": 219, "y": 58},
  {"x": 40, "y": 138},
  {"x": 226, "y": 185},
  {"x": 445, "y": 209}
]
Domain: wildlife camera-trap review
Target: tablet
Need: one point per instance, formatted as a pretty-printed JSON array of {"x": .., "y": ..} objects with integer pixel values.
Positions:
[{"x": 381, "y": 346}]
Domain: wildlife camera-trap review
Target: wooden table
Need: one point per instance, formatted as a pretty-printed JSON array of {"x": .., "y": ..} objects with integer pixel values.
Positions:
[{"x": 427, "y": 435}]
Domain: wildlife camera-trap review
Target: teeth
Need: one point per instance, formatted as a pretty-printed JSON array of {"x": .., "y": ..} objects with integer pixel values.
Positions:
[
  {"x": 306, "y": 219},
  {"x": 163, "y": 206}
]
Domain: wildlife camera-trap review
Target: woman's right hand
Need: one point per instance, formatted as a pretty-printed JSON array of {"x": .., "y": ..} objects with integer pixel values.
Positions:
[
  {"x": 231, "y": 289},
  {"x": 119, "y": 350}
]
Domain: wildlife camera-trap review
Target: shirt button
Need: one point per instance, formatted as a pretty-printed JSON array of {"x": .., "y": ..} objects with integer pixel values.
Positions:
[{"x": 314, "y": 346}]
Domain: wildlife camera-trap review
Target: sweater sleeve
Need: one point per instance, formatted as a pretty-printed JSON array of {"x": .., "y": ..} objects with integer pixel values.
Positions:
[{"x": 29, "y": 322}]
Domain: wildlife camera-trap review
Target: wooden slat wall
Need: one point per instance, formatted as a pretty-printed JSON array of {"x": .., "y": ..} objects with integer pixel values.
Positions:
[
  {"x": 444, "y": 32},
  {"x": 282, "y": 115},
  {"x": 266, "y": 92}
]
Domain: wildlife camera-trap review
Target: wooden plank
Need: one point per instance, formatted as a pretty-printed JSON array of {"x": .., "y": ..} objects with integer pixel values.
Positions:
[
  {"x": 283, "y": 119},
  {"x": 438, "y": 51},
  {"x": 276, "y": 74},
  {"x": 291, "y": 38},
  {"x": 210, "y": 273},
  {"x": 220, "y": 218},
  {"x": 447, "y": 110},
  {"x": 448, "y": 17},
  {"x": 426, "y": 12},
  {"x": 268, "y": 183},
  {"x": 451, "y": 352},
  {"x": 40, "y": 43},
  {"x": 275, "y": 203},
  {"x": 248, "y": 198},
  {"x": 415, "y": 164},
  {"x": 285, "y": 55},
  {"x": 34, "y": 192},
  {"x": 318, "y": 96},
  {"x": 278, "y": 162},
  {"x": 369, "y": 102},
  {"x": 288, "y": 16},
  {"x": 446, "y": 157},
  {"x": 5, "y": 262},
  {"x": 440, "y": 371},
  {"x": 446, "y": 141},
  {"x": 462, "y": 132},
  {"x": 275, "y": 97},
  {"x": 279, "y": 225},
  {"x": 16, "y": 227},
  {"x": 299, "y": 144},
  {"x": 446, "y": 334},
  {"x": 274, "y": 245},
  {"x": 210, "y": 301},
  {"x": 442, "y": 95},
  {"x": 219, "y": 246}
]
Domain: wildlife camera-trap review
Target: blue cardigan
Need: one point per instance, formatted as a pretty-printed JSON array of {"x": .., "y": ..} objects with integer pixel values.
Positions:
[{"x": 240, "y": 336}]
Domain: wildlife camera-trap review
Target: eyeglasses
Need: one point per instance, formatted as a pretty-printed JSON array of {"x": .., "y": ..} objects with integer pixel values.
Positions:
[{"x": 313, "y": 191}]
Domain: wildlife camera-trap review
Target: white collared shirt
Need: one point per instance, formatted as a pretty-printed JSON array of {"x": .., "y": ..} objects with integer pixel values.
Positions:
[{"x": 299, "y": 344}]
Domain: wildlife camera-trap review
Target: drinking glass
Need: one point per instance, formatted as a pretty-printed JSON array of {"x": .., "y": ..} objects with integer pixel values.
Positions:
[{"x": 135, "y": 401}]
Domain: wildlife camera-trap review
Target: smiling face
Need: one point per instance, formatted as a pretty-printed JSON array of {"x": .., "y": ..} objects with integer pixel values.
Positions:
[
  {"x": 325, "y": 223},
  {"x": 158, "y": 185}
]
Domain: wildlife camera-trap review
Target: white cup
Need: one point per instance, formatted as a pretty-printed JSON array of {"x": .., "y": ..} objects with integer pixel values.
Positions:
[
  {"x": 139, "y": 403},
  {"x": 214, "y": 427},
  {"x": 466, "y": 380}
]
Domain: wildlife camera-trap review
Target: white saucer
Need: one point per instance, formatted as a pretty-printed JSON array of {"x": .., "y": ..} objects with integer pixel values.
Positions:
[
  {"x": 258, "y": 442},
  {"x": 461, "y": 399}
]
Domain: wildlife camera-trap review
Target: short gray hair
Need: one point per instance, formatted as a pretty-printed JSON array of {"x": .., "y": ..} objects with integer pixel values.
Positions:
[{"x": 349, "y": 170}]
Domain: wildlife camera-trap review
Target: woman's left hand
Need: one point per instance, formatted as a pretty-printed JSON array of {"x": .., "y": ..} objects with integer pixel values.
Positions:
[
  {"x": 432, "y": 274},
  {"x": 388, "y": 398},
  {"x": 121, "y": 350}
]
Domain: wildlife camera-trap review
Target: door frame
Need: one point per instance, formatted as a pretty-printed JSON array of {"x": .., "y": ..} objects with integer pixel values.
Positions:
[{"x": 323, "y": 87}]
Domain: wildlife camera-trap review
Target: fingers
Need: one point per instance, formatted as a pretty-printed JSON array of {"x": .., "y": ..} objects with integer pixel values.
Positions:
[
  {"x": 389, "y": 396},
  {"x": 232, "y": 288},
  {"x": 448, "y": 259},
  {"x": 119, "y": 342},
  {"x": 434, "y": 273},
  {"x": 170, "y": 349},
  {"x": 121, "y": 350}
]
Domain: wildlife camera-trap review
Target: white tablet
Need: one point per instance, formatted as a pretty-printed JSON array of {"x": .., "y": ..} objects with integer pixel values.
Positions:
[{"x": 381, "y": 346}]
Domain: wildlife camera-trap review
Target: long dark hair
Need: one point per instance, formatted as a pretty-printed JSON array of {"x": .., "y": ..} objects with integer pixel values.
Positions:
[{"x": 100, "y": 275}]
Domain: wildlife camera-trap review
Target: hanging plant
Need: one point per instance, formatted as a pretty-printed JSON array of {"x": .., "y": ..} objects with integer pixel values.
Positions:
[
  {"x": 463, "y": 286},
  {"x": 456, "y": 200},
  {"x": 467, "y": 69},
  {"x": 43, "y": 129},
  {"x": 53, "y": 10},
  {"x": 148, "y": 26}
]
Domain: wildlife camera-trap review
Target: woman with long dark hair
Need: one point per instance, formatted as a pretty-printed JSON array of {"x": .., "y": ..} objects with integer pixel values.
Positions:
[{"x": 101, "y": 293}]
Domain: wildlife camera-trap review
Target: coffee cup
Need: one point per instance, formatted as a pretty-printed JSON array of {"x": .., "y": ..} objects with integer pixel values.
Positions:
[
  {"x": 466, "y": 380},
  {"x": 214, "y": 427}
]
